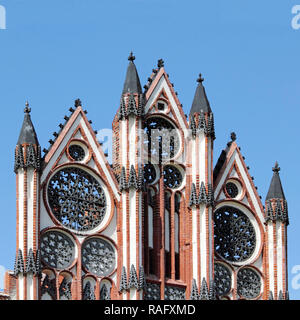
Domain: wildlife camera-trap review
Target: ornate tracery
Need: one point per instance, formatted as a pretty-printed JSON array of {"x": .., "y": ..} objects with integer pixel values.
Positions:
[
  {"x": 234, "y": 234},
  {"x": 76, "y": 199}
]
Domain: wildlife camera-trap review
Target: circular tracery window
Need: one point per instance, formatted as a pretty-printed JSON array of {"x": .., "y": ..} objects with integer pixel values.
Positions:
[
  {"x": 161, "y": 138},
  {"x": 57, "y": 250},
  {"x": 232, "y": 189},
  {"x": 172, "y": 177},
  {"x": 234, "y": 234},
  {"x": 149, "y": 173},
  {"x": 76, "y": 199},
  {"x": 248, "y": 283},
  {"x": 98, "y": 257},
  {"x": 76, "y": 152},
  {"x": 222, "y": 279}
]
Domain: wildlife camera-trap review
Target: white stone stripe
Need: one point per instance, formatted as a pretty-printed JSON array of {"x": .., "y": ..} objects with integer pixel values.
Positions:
[
  {"x": 195, "y": 243},
  {"x": 193, "y": 142},
  {"x": 279, "y": 257},
  {"x": 124, "y": 228},
  {"x": 132, "y": 228},
  {"x": 21, "y": 208},
  {"x": 201, "y": 157},
  {"x": 203, "y": 239},
  {"x": 222, "y": 180},
  {"x": 30, "y": 199},
  {"x": 101, "y": 160},
  {"x": 271, "y": 257},
  {"x": 249, "y": 189}
]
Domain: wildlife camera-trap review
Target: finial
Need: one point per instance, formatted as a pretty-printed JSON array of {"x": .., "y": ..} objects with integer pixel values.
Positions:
[
  {"x": 276, "y": 167},
  {"x": 77, "y": 103},
  {"x": 160, "y": 63},
  {"x": 27, "y": 109},
  {"x": 200, "y": 78},
  {"x": 131, "y": 57},
  {"x": 233, "y": 136}
]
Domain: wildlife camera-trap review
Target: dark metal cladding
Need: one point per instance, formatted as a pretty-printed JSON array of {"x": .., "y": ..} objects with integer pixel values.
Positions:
[
  {"x": 27, "y": 134},
  {"x": 132, "y": 81},
  {"x": 275, "y": 189},
  {"x": 200, "y": 102}
]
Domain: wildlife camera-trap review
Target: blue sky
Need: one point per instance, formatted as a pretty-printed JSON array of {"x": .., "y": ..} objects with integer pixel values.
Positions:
[{"x": 53, "y": 52}]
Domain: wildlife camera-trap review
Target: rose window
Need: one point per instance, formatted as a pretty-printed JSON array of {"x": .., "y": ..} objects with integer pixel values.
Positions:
[
  {"x": 172, "y": 177},
  {"x": 76, "y": 199},
  {"x": 149, "y": 173},
  {"x": 234, "y": 234},
  {"x": 76, "y": 152},
  {"x": 222, "y": 279},
  {"x": 232, "y": 189},
  {"x": 57, "y": 250},
  {"x": 248, "y": 283},
  {"x": 98, "y": 257}
]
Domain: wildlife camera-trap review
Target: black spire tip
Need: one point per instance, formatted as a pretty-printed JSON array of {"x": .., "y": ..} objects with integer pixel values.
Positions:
[
  {"x": 77, "y": 103},
  {"x": 27, "y": 109},
  {"x": 200, "y": 78},
  {"x": 233, "y": 136},
  {"x": 160, "y": 63},
  {"x": 276, "y": 168},
  {"x": 131, "y": 57}
]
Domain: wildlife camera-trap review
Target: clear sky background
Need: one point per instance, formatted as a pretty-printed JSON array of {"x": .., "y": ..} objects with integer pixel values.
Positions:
[{"x": 53, "y": 52}]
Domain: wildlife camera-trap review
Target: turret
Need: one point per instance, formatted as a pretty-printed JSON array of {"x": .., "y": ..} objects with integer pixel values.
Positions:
[
  {"x": 27, "y": 167},
  {"x": 276, "y": 220},
  {"x": 200, "y": 184},
  {"x": 127, "y": 153}
]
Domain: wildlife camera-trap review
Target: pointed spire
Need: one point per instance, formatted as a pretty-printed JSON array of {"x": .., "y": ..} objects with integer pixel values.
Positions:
[
  {"x": 27, "y": 140},
  {"x": 202, "y": 194},
  {"x": 212, "y": 290},
  {"x": 141, "y": 106},
  {"x": 132, "y": 81},
  {"x": 27, "y": 134},
  {"x": 123, "y": 282},
  {"x": 194, "y": 292},
  {"x": 275, "y": 189},
  {"x": 210, "y": 195},
  {"x": 19, "y": 158},
  {"x": 38, "y": 263},
  {"x": 19, "y": 263},
  {"x": 287, "y": 295},
  {"x": 132, "y": 180},
  {"x": 123, "y": 181},
  {"x": 193, "y": 196},
  {"x": 140, "y": 181},
  {"x": 203, "y": 295},
  {"x": 133, "y": 280},
  {"x": 122, "y": 110},
  {"x": 200, "y": 101},
  {"x": 280, "y": 296},
  {"x": 131, "y": 108},
  {"x": 193, "y": 126},
  {"x": 142, "y": 279},
  {"x": 30, "y": 263},
  {"x": 269, "y": 211}
]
